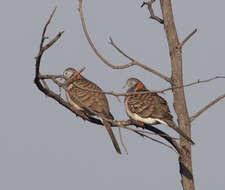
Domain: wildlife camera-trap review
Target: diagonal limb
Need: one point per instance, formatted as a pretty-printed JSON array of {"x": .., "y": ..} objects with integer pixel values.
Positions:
[
  {"x": 192, "y": 118},
  {"x": 151, "y": 11},
  {"x": 106, "y": 61}
]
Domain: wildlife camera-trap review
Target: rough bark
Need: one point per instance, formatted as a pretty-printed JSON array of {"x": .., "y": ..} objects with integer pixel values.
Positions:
[{"x": 178, "y": 93}]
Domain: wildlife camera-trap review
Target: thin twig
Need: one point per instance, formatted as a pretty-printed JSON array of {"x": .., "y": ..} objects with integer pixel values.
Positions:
[
  {"x": 146, "y": 136},
  {"x": 107, "y": 62},
  {"x": 192, "y": 118},
  {"x": 45, "y": 84},
  {"x": 152, "y": 133},
  {"x": 151, "y": 11},
  {"x": 202, "y": 81},
  {"x": 82, "y": 70},
  {"x": 187, "y": 38},
  {"x": 138, "y": 63},
  {"x": 111, "y": 42},
  {"x": 48, "y": 45},
  {"x": 50, "y": 76},
  {"x": 165, "y": 136},
  {"x": 116, "y": 94},
  {"x": 121, "y": 140},
  {"x": 59, "y": 84},
  {"x": 45, "y": 28}
]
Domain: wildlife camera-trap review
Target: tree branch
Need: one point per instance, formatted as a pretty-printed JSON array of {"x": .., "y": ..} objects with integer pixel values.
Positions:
[
  {"x": 41, "y": 51},
  {"x": 143, "y": 134},
  {"x": 116, "y": 94},
  {"x": 50, "y": 76},
  {"x": 151, "y": 11},
  {"x": 179, "y": 103},
  {"x": 202, "y": 81},
  {"x": 134, "y": 62},
  {"x": 138, "y": 63},
  {"x": 187, "y": 38},
  {"x": 111, "y": 42},
  {"x": 192, "y": 118}
]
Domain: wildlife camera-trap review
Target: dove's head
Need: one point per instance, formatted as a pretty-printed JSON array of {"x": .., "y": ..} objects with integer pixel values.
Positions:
[
  {"x": 131, "y": 84},
  {"x": 69, "y": 72}
]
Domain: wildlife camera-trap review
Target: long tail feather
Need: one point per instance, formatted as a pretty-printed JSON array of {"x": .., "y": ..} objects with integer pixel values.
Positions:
[
  {"x": 178, "y": 130},
  {"x": 113, "y": 138}
]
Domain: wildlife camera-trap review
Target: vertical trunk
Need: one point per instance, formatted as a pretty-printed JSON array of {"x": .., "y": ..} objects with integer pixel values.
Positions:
[{"x": 178, "y": 94}]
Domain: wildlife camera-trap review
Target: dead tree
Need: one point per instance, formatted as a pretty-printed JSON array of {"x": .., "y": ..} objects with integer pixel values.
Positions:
[{"x": 181, "y": 147}]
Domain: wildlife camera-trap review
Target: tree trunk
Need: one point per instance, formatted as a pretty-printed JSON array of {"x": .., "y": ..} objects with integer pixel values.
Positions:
[{"x": 178, "y": 93}]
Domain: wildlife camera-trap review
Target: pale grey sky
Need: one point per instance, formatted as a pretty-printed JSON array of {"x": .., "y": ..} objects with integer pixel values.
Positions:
[{"x": 44, "y": 146}]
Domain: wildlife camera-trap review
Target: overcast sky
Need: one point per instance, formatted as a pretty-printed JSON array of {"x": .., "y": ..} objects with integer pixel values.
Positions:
[{"x": 44, "y": 146}]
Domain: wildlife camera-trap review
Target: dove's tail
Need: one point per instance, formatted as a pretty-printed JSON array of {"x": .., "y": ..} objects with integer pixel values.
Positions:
[
  {"x": 178, "y": 130},
  {"x": 112, "y": 136}
]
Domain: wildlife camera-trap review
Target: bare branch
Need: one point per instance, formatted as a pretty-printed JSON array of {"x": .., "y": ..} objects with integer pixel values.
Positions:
[
  {"x": 116, "y": 94},
  {"x": 81, "y": 70},
  {"x": 202, "y": 81},
  {"x": 50, "y": 76},
  {"x": 151, "y": 11},
  {"x": 41, "y": 51},
  {"x": 121, "y": 140},
  {"x": 165, "y": 136},
  {"x": 90, "y": 41},
  {"x": 111, "y": 42},
  {"x": 138, "y": 63},
  {"x": 107, "y": 62},
  {"x": 146, "y": 136},
  {"x": 187, "y": 38},
  {"x": 59, "y": 84},
  {"x": 49, "y": 44},
  {"x": 45, "y": 84},
  {"x": 189, "y": 84},
  {"x": 45, "y": 28},
  {"x": 192, "y": 118}
]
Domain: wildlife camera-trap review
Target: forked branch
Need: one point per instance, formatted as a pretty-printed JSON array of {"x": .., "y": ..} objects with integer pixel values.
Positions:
[{"x": 151, "y": 11}]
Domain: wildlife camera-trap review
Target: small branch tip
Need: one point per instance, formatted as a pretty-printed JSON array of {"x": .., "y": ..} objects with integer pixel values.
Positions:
[{"x": 187, "y": 38}]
